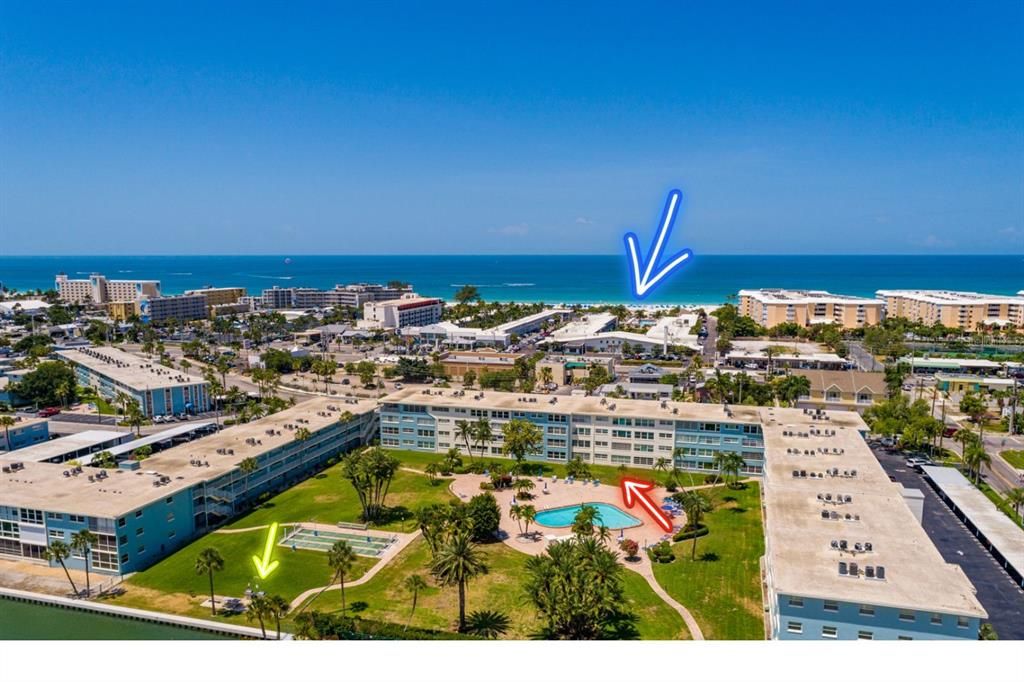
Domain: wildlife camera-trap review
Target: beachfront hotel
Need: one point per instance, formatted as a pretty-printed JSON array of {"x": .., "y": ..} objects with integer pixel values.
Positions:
[
  {"x": 408, "y": 311},
  {"x": 846, "y": 558},
  {"x": 143, "y": 511},
  {"x": 963, "y": 309},
  {"x": 98, "y": 289},
  {"x": 157, "y": 389},
  {"x": 770, "y": 307}
]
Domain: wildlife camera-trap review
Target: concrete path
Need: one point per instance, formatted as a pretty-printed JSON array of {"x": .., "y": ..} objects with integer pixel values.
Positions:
[
  {"x": 230, "y": 531},
  {"x": 644, "y": 568}
]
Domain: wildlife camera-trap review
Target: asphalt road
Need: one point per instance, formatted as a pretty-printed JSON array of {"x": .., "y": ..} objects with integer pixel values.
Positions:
[
  {"x": 864, "y": 359},
  {"x": 1000, "y": 596}
]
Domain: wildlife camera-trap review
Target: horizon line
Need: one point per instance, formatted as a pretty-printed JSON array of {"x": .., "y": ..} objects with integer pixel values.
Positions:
[{"x": 484, "y": 255}]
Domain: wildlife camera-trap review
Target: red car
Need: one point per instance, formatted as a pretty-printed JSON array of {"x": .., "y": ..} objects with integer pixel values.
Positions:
[{"x": 48, "y": 411}]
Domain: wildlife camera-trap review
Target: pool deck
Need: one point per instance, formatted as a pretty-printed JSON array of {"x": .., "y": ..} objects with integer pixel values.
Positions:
[{"x": 563, "y": 494}]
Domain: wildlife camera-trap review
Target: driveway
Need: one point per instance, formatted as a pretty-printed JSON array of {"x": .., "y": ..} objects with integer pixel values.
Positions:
[{"x": 1000, "y": 596}]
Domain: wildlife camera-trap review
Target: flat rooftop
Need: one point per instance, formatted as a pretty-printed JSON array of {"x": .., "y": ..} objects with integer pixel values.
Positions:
[
  {"x": 581, "y": 405},
  {"x": 944, "y": 297},
  {"x": 531, "y": 319},
  {"x": 799, "y": 540},
  {"x": 43, "y": 485},
  {"x": 585, "y": 326},
  {"x": 128, "y": 369},
  {"x": 804, "y": 296},
  {"x": 1004, "y": 535},
  {"x": 58, "y": 447}
]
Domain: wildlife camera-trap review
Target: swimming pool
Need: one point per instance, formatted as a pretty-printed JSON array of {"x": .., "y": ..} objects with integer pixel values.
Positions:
[{"x": 607, "y": 514}]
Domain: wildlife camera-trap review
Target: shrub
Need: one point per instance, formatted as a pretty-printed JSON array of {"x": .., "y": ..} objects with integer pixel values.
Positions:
[
  {"x": 486, "y": 485},
  {"x": 484, "y": 516},
  {"x": 630, "y": 547},
  {"x": 661, "y": 553},
  {"x": 691, "y": 533}
]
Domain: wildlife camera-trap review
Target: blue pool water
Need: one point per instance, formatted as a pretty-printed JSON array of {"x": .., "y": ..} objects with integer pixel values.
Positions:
[{"x": 607, "y": 514}]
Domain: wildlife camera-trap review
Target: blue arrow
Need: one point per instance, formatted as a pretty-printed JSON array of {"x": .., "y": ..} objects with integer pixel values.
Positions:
[{"x": 646, "y": 283}]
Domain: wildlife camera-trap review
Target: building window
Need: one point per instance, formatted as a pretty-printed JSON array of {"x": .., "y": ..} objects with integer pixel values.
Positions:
[
  {"x": 907, "y": 616},
  {"x": 936, "y": 619},
  {"x": 796, "y": 602},
  {"x": 169, "y": 500},
  {"x": 795, "y": 626},
  {"x": 121, "y": 523},
  {"x": 904, "y": 638},
  {"x": 962, "y": 621},
  {"x": 138, "y": 514},
  {"x": 75, "y": 518},
  {"x": 142, "y": 549},
  {"x": 830, "y": 605},
  {"x": 865, "y": 634},
  {"x": 829, "y": 631},
  {"x": 867, "y": 610},
  {"x": 140, "y": 531}
]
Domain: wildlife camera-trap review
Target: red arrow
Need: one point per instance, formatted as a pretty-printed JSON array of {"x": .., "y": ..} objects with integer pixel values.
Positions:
[{"x": 634, "y": 490}]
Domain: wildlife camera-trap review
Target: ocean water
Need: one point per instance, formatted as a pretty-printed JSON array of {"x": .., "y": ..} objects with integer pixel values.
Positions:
[{"x": 552, "y": 279}]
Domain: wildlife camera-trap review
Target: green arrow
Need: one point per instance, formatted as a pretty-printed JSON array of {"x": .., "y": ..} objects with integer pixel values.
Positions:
[{"x": 264, "y": 566}]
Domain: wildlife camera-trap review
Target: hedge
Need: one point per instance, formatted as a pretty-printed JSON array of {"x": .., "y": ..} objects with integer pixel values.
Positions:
[{"x": 691, "y": 533}]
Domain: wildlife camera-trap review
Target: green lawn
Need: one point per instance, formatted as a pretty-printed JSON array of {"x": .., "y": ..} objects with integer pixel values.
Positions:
[
  {"x": 299, "y": 570},
  {"x": 722, "y": 586},
  {"x": 383, "y": 598},
  {"x": 608, "y": 475},
  {"x": 329, "y": 498},
  {"x": 1014, "y": 457}
]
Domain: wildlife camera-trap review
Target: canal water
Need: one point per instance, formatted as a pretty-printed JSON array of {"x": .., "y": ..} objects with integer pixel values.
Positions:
[{"x": 22, "y": 620}]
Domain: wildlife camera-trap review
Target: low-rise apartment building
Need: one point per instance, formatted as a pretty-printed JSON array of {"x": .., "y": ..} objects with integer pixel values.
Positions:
[
  {"x": 98, "y": 290},
  {"x": 144, "y": 511},
  {"x": 845, "y": 557},
  {"x": 408, "y": 311},
  {"x": 963, "y": 309},
  {"x": 181, "y": 308},
  {"x": 838, "y": 390},
  {"x": 350, "y": 295},
  {"x": 770, "y": 307},
  {"x": 157, "y": 389},
  {"x": 218, "y": 296},
  {"x": 457, "y": 363},
  {"x": 25, "y": 432}
]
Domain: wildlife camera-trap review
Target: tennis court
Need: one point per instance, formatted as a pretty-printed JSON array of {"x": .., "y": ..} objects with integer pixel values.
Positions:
[{"x": 363, "y": 543}]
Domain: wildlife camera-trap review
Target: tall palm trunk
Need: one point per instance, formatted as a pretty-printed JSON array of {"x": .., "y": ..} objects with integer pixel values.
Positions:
[
  {"x": 277, "y": 622},
  {"x": 341, "y": 582},
  {"x": 68, "y": 574},
  {"x": 88, "y": 587},
  {"x": 462, "y": 606},
  {"x": 213, "y": 601}
]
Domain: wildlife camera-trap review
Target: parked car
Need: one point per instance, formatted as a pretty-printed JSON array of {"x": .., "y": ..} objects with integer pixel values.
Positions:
[{"x": 48, "y": 411}]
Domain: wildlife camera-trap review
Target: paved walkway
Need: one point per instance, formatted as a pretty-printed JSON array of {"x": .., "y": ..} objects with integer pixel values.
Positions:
[{"x": 404, "y": 539}]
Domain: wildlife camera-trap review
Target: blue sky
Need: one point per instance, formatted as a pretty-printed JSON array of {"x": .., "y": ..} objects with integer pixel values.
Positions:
[{"x": 547, "y": 127}]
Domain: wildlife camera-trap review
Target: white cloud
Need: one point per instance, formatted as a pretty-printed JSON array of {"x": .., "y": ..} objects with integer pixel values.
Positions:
[
  {"x": 584, "y": 221},
  {"x": 934, "y": 242}
]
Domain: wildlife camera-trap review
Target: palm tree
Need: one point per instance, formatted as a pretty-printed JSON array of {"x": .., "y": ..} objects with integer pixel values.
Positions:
[
  {"x": 209, "y": 562},
  {"x": 732, "y": 464},
  {"x": 464, "y": 430},
  {"x": 59, "y": 551},
  {"x": 279, "y": 608},
  {"x": 134, "y": 418},
  {"x": 516, "y": 514},
  {"x": 7, "y": 422},
  {"x": 456, "y": 562},
  {"x": 248, "y": 466},
  {"x": 340, "y": 557},
  {"x": 82, "y": 542},
  {"x": 413, "y": 584},
  {"x": 488, "y": 624},
  {"x": 259, "y": 609},
  {"x": 975, "y": 457},
  {"x": 695, "y": 504},
  {"x": 583, "y": 522},
  {"x": 1015, "y": 497},
  {"x": 527, "y": 513},
  {"x": 482, "y": 434}
]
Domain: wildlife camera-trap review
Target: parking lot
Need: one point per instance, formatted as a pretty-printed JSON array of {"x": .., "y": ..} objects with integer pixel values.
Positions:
[{"x": 1000, "y": 596}]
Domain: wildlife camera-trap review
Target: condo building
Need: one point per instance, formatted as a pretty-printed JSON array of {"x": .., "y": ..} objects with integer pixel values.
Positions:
[
  {"x": 143, "y": 511},
  {"x": 846, "y": 558},
  {"x": 157, "y": 389},
  {"x": 963, "y": 309},
  {"x": 98, "y": 290},
  {"x": 350, "y": 295},
  {"x": 218, "y": 296},
  {"x": 770, "y": 307},
  {"x": 182, "y": 308},
  {"x": 408, "y": 311},
  {"x": 25, "y": 432}
]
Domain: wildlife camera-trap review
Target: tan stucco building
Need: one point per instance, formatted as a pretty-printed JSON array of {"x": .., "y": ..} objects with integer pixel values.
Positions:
[
  {"x": 964, "y": 309},
  {"x": 769, "y": 307}
]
